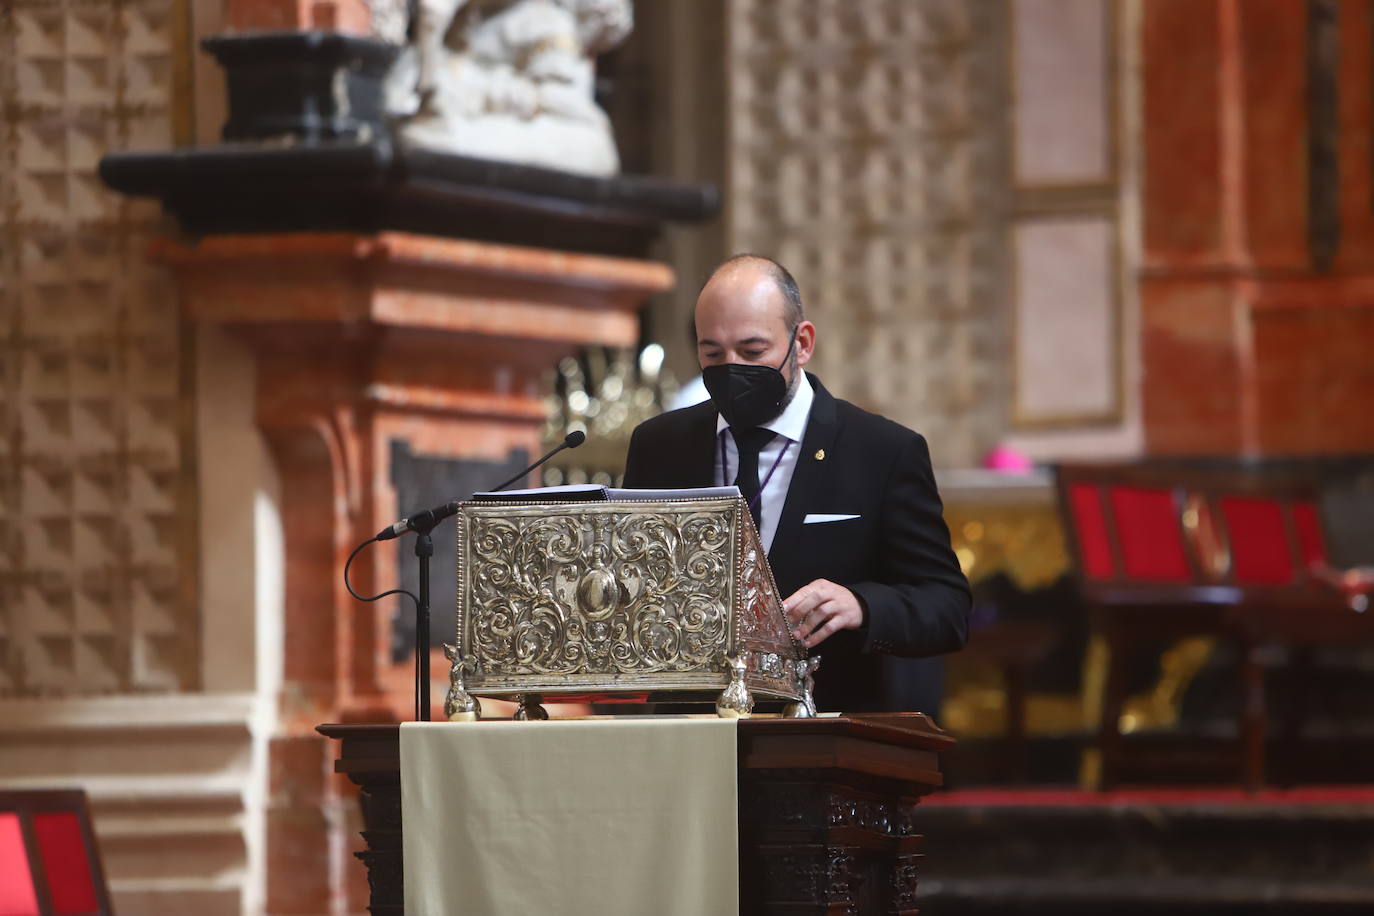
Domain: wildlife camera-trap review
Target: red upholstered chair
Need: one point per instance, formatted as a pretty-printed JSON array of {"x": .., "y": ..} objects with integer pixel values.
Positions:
[
  {"x": 1171, "y": 549},
  {"x": 49, "y": 862}
]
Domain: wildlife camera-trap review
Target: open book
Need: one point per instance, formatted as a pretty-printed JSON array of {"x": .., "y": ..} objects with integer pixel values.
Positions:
[{"x": 583, "y": 492}]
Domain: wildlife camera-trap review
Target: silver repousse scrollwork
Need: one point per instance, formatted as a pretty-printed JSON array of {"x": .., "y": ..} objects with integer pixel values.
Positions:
[
  {"x": 589, "y": 598},
  {"x": 576, "y": 593},
  {"x": 762, "y": 631}
]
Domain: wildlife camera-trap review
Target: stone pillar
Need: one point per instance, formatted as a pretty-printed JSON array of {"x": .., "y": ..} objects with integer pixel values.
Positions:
[
  {"x": 361, "y": 342},
  {"x": 1257, "y": 290}
]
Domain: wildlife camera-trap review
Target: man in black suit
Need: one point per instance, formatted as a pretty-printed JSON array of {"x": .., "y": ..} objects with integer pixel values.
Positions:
[{"x": 845, "y": 500}]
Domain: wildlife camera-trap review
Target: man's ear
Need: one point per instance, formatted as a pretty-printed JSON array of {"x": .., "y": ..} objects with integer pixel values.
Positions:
[{"x": 806, "y": 342}]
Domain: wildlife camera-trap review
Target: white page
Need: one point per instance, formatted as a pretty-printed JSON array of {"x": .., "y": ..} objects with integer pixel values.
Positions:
[
  {"x": 623, "y": 493},
  {"x": 553, "y": 493}
]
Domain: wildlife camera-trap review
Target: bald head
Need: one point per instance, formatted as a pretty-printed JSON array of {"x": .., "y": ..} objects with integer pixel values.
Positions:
[
  {"x": 749, "y": 311},
  {"x": 752, "y": 266}
]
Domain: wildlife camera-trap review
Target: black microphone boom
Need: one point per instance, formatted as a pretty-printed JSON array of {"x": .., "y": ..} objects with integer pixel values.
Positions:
[
  {"x": 571, "y": 440},
  {"x": 425, "y": 521},
  {"x": 420, "y": 521}
]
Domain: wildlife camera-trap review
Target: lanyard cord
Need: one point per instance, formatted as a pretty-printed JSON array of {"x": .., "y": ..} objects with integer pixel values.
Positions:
[{"x": 725, "y": 468}]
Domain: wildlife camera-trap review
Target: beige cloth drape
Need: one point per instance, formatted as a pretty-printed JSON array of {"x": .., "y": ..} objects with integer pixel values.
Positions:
[{"x": 614, "y": 817}]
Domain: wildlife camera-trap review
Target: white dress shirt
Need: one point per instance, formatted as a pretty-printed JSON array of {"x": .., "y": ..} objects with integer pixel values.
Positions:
[{"x": 789, "y": 427}]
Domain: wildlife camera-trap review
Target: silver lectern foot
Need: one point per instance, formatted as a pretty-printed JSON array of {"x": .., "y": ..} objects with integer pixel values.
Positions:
[
  {"x": 735, "y": 701},
  {"x": 805, "y": 672},
  {"x": 530, "y": 708},
  {"x": 459, "y": 705}
]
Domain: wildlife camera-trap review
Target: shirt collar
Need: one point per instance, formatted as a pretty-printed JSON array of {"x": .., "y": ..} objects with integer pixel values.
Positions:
[{"x": 791, "y": 423}]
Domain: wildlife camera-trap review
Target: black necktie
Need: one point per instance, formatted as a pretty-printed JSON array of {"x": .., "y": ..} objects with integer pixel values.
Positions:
[{"x": 750, "y": 442}]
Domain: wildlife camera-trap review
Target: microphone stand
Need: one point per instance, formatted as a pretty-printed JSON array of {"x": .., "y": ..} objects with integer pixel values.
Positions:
[
  {"x": 423, "y": 524},
  {"x": 424, "y": 549}
]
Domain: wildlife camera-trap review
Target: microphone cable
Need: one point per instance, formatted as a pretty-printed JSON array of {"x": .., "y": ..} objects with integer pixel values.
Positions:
[{"x": 378, "y": 597}]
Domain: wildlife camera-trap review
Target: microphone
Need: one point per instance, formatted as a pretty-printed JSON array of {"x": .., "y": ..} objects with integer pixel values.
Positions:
[
  {"x": 426, "y": 520},
  {"x": 571, "y": 440},
  {"x": 420, "y": 521}
]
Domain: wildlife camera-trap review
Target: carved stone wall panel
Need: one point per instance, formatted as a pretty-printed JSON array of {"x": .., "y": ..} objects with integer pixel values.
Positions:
[
  {"x": 91, "y": 461},
  {"x": 866, "y": 156}
]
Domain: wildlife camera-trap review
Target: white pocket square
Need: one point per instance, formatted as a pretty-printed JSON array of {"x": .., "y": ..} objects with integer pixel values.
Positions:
[{"x": 817, "y": 519}]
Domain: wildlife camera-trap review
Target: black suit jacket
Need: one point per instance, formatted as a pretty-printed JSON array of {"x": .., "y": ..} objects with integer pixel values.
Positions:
[{"x": 895, "y": 556}]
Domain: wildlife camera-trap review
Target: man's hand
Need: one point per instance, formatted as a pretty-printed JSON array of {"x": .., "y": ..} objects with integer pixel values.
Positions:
[{"x": 820, "y": 609}]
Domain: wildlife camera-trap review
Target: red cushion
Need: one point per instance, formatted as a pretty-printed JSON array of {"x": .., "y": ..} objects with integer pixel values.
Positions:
[
  {"x": 1096, "y": 552},
  {"x": 1260, "y": 553},
  {"x": 63, "y": 851},
  {"x": 1311, "y": 545},
  {"x": 1151, "y": 536},
  {"x": 17, "y": 896}
]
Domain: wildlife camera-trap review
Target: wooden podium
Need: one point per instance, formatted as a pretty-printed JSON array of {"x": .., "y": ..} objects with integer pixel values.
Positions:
[{"x": 827, "y": 810}]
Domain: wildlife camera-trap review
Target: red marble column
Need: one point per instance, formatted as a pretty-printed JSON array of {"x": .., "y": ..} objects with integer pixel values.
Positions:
[
  {"x": 1249, "y": 343},
  {"x": 361, "y": 340}
]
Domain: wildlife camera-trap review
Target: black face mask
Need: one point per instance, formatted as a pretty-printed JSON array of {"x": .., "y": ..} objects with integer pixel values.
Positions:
[{"x": 747, "y": 395}]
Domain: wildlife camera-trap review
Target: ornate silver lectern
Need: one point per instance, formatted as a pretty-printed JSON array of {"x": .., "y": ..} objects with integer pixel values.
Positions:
[{"x": 669, "y": 598}]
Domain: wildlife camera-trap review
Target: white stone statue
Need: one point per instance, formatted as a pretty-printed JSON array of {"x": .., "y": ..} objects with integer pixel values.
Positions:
[{"x": 504, "y": 79}]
